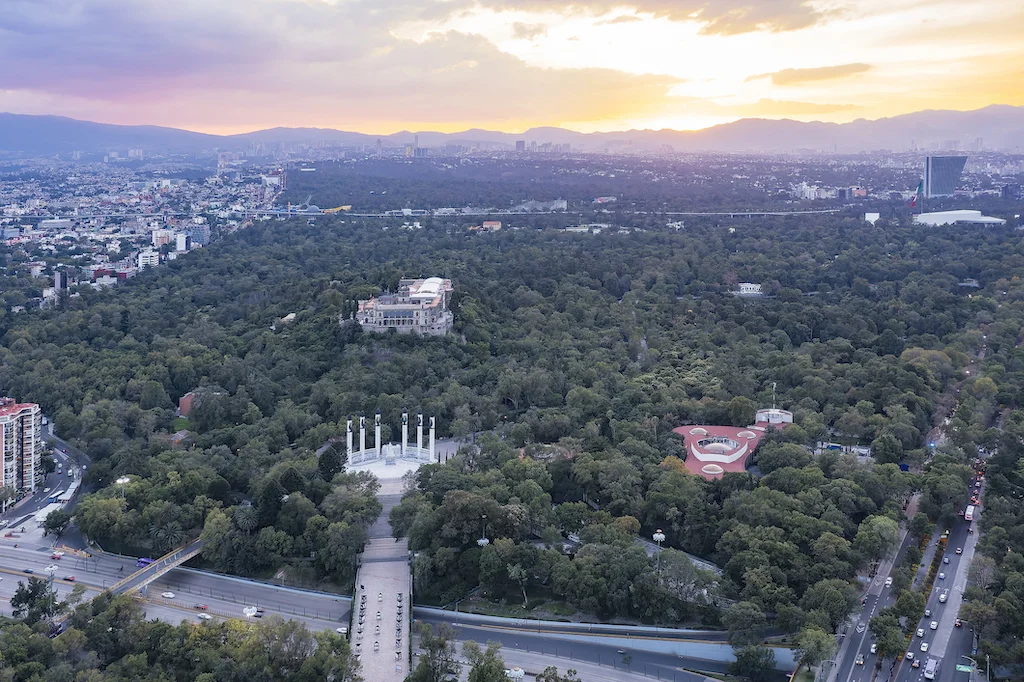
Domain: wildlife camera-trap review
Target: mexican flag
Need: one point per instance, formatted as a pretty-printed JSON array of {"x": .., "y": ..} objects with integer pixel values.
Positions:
[{"x": 917, "y": 194}]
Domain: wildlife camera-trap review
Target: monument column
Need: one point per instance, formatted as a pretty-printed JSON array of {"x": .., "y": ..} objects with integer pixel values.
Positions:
[
  {"x": 432, "y": 439},
  {"x": 376, "y": 429},
  {"x": 348, "y": 438},
  {"x": 419, "y": 435},
  {"x": 362, "y": 433},
  {"x": 405, "y": 432}
]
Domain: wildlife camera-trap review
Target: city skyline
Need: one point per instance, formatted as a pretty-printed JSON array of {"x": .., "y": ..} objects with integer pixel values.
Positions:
[{"x": 504, "y": 65}]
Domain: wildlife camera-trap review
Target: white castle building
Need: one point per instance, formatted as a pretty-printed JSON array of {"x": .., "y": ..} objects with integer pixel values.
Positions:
[{"x": 420, "y": 306}]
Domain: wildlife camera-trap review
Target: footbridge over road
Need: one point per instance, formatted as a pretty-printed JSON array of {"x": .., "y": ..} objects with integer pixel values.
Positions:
[{"x": 147, "y": 574}]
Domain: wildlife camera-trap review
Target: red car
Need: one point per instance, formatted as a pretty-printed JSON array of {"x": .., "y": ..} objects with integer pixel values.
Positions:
[
  {"x": 69, "y": 578},
  {"x": 55, "y": 556},
  {"x": 201, "y": 607}
]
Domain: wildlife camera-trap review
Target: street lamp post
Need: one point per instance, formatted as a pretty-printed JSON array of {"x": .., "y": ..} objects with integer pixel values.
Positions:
[
  {"x": 974, "y": 666},
  {"x": 659, "y": 537},
  {"x": 122, "y": 482}
]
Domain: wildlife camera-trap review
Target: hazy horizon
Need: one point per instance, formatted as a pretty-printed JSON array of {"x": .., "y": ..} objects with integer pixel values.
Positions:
[
  {"x": 504, "y": 65},
  {"x": 377, "y": 133}
]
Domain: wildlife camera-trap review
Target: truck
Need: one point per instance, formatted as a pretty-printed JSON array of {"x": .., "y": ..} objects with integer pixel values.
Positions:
[
  {"x": 969, "y": 513},
  {"x": 930, "y": 668}
]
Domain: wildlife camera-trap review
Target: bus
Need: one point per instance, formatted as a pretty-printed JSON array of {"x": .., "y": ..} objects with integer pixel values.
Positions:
[
  {"x": 929, "y": 669},
  {"x": 142, "y": 562},
  {"x": 969, "y": 514}
]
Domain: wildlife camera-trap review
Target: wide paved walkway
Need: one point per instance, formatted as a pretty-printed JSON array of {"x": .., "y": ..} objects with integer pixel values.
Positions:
[{"x": 383, "y": 598}]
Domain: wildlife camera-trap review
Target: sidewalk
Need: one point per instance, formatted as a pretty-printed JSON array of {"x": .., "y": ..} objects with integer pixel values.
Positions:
[{"x": 534, "y": 664}]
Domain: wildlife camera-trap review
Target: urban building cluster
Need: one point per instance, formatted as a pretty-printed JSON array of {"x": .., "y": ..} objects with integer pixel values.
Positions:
[{"x": 102, "y": 223}]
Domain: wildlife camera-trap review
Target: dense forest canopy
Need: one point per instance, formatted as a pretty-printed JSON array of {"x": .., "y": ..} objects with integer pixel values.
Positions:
[{"x": 582, "y": 352}]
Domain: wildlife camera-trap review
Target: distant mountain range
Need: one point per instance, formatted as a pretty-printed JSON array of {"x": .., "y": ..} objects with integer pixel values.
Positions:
[{"x": 999, "y": 127}]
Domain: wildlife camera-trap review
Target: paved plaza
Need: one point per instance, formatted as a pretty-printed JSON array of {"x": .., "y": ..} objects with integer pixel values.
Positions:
[{"x": 382, "y": 603}]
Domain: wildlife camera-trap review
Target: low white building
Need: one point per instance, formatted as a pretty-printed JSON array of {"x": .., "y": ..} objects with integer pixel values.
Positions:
[
  {"x": 749, "y": 289},
  {"x": 955, "y": 217}
]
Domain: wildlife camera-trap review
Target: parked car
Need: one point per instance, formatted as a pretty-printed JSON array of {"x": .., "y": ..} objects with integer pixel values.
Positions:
[
  {"x": 957, "y": 622},
  {"x": 959, "y": 550}
]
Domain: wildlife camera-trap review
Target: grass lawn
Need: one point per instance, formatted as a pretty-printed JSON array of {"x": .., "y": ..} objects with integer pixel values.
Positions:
[{"x": 178, "y": 424}]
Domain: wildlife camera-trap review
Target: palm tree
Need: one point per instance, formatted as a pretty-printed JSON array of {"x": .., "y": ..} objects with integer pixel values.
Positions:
[
  {"x": 168, "y": 535},
  {"x": 246, "y": 518}
]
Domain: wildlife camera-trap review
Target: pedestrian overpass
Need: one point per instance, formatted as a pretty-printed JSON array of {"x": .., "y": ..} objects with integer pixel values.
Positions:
[{"x": 145, "y": 575}]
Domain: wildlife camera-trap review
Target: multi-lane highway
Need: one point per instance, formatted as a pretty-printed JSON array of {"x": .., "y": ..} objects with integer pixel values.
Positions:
[{"x": 947, "y": 643}]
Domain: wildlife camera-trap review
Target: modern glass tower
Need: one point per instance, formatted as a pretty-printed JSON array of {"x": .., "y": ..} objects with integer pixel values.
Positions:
[{"x": 942, "y": 175}]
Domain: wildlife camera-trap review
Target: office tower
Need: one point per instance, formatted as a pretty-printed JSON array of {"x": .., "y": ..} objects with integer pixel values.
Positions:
[
  {"x": 942, "y": 175},
  {"x": 520, "y": 145},
  {"x": 21, "y": 444}
]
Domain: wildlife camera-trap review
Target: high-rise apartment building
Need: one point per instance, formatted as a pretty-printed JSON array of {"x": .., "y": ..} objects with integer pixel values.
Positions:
[
  {"x": 942, "y": 175},
  {"x": 21, "y": 444},
  {"x": 520, "y": 145}
]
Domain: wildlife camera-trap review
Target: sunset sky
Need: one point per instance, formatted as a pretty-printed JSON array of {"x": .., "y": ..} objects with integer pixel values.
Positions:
[{"x": 380, "y": 66}]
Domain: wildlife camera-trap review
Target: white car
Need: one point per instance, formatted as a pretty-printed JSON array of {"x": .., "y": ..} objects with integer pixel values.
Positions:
[
  {"x": 874, "y": 648},
  {"x": 167, "y": 595},
  {"x": 52, "y": 568},
  {"x": 924, "y": 646},
  {"x": 920, "y": 632},
  {"x": 204, "y": 616},
  {"x": 934, "y": 625},
  {"x": 888, "y": 582},
  {"x": 942, "y": 576}
]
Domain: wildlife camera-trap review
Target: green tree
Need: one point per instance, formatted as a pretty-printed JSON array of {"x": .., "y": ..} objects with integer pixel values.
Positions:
[
  {"x": 486, "y": 665},
  {"x": 34, "y": 601},
  {"x": 438, "y": 662},
  {"x": 550, "y": 674},
  {"x": 877, "y": 537},
  {"x": 56, "y": 523},
  {"x": 756, "y": 663},
  {"x": 746, "y": 623},
  {"x": 887, "y": 449},
  {"x": 815, "y": 645},
  {"x": 330, "y": 463}
]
